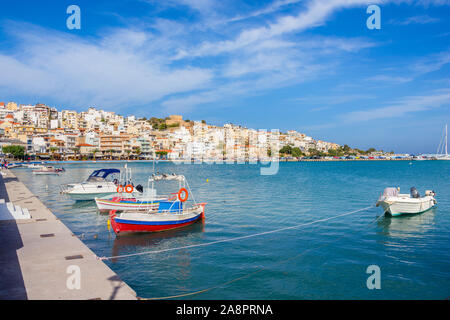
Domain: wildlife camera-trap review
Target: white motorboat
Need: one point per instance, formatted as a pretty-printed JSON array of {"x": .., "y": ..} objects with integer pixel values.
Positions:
[
  {"x": 35, "y": 165},
  {"x": 100, "y": 183},
  {"x": 396, "y": 204},
  {"x": 48, "y": 170}
]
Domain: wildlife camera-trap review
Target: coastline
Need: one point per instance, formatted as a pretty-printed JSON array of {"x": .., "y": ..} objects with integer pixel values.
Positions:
[
  {"x": 37, "y": 255},
  {"x": 204, "y": 161}
]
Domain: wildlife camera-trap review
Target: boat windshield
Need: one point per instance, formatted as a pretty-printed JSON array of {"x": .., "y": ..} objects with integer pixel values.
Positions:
[
  {"x": 100, "y": 175},
  {"x": 390, "y": 192}
]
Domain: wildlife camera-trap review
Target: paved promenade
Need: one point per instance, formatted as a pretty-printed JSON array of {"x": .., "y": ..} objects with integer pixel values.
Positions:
[{"x": 35, "y": 255}]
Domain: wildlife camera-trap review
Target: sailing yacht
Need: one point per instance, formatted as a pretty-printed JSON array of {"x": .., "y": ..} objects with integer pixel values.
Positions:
[{"x": 442, "y": 153}]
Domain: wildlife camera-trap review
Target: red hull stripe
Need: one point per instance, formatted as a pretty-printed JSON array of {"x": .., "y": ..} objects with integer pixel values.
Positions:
[{"x": 156, "y": 223}]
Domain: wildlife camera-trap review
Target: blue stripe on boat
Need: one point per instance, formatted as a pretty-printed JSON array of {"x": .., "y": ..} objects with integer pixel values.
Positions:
[{"x": 156, "y": 223}]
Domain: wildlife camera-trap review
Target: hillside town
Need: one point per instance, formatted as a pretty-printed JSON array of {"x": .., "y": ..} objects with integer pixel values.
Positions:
[{"x": 46, "y": 133}]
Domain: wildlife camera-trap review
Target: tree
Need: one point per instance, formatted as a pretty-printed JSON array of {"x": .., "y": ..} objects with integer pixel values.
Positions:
[
  {"x": 296, "y": 152},
  {"x": 76, "y": 150},
  {"x": 138, "y": 151},
  {"x": 286, "y": 150},
  {"x": 53, "y": 150},
  {"x": 15, "y": 151},
  {"x": 346, "y": 149},
  {"x": 94, "y": 152},
  {"x": 313, "y": 152},
  {"x": 128, "y": 153},
  {"x": 161, "y": 153}
]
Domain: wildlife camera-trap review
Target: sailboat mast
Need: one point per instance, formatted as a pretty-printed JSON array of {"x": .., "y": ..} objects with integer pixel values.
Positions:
[{"x": 446, "y": 140}]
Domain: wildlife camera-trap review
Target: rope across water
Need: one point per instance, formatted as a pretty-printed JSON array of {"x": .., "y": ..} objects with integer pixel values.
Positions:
[
  {"x": 233, "y": 239},
  {"x": 186, "y": 294}
]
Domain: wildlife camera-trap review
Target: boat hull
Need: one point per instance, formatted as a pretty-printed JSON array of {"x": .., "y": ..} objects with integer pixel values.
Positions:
[
  {"x": 88, "y": 196},
  {"x": 155, "y": 222},
  {"x": 46, "y": 173},
  {"x": 400, "y": 207},
  {"x": 125, "y": 204}
]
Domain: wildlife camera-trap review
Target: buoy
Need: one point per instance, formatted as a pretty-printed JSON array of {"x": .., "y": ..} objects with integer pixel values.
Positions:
[
  {"x": 108, "y": 223},
  {"x": 207, "y": 180},
  {"x": 186, "y": 194}
]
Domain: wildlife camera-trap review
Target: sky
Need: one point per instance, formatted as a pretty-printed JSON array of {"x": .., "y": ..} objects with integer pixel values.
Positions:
[{"x": 307, "y": 65}]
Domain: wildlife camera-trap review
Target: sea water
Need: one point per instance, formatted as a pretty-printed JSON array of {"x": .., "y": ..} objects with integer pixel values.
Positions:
[{"x": 323, "y": 260}]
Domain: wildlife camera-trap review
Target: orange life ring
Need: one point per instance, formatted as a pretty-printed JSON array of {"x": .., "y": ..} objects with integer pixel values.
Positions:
[
  {"x": 120, "y": 189},
  {"x": 186, "y": 194},
  {"x": 127, "y": 188}
]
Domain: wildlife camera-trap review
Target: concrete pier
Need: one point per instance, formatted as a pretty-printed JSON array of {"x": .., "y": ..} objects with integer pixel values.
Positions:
[{"x": 36, "y": 256}]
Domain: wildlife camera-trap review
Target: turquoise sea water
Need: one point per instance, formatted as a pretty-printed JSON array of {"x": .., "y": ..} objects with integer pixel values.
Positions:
[{"x": 327, "y": 260}]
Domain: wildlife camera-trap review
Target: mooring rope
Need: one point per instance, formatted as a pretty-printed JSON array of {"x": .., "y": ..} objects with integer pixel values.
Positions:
[
  {"x": 254, "y": 272},
  {"x": 232, "y": 239}
]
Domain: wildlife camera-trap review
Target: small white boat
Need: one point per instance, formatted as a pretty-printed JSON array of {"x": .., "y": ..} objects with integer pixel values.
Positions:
[
  {"x": 34, "y": 165},
  {"x": 396, "y": 204},
  {"x": 13, "y": 165},
  {"x": 48, "y": 170},
  {"x": 101, "y": 183},
  {"x": 135, "y": 201}
]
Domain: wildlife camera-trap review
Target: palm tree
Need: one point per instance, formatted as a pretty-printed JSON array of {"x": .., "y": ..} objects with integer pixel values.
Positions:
[
  {"x": 94, "y": 152},
  {"x": 76, "y": 150},
  {"x": 53, "y": 150},
  {"x": 138, "y": 151},
  {"x": 111, "y": 152}
]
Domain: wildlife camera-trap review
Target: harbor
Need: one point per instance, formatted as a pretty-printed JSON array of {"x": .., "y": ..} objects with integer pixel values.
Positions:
[
  {"x": 36, "y": 254},
  {"x": 245, "y": 242},
  {"x": 224, "y": 157}
]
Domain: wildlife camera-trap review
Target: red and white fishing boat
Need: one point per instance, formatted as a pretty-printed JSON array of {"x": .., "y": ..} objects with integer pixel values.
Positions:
[{"x": 169, "y": 214}]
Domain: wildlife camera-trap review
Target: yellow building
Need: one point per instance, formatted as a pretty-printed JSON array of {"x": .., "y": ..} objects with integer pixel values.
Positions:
[{"x": 12, "y": 106}]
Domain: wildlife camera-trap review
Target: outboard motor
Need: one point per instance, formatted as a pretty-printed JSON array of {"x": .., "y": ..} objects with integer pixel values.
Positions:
[
  {"x": 414, "y": 193},
  {"x": 140, "y": 188}
]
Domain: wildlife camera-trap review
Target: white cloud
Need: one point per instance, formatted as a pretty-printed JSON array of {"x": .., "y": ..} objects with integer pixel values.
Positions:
[
  {"x": 401, "y": 108},
  {"x": 422, "y": 19},
  {"x": 390, "y": 79},
  {"x": 169, "y": 63},
  {"x": 109, "y": 72}
]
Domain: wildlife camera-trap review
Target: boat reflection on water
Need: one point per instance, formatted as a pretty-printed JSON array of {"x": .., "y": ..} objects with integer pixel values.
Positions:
[
  {"x": 84, "y": 205},
  {"x": 408, "y": 226},
  {"x": 126, "y": 244}
]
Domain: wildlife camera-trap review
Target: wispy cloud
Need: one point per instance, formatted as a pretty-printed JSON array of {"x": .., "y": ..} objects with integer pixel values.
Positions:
[
  {"x": 181, "y": 64},
  {"x": 111, "y": 72},
  {"x": 390, "y": 79},
  {"x": 422, "y": 19},
  {"x": 402, "y": 107}
]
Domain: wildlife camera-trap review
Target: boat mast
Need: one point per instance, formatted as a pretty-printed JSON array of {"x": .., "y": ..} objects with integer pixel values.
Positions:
[{"x": 446, "y": 154}]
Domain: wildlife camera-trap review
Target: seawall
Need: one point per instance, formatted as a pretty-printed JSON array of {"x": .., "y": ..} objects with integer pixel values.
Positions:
[{"x": 40, "y": 258}]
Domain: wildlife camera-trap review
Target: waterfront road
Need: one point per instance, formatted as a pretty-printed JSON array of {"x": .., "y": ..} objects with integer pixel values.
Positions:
[{"x": 41, "y": 259}]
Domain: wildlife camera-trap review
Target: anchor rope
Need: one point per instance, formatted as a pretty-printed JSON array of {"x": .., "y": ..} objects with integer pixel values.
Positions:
[
  {"x": 256, "y": 271},
  {"x": 232, "y": 239}
]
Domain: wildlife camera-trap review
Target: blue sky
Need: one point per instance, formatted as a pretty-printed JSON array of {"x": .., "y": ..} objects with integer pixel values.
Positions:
[{"x": 308, "y": 65}]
